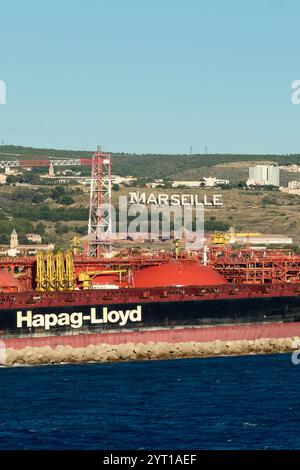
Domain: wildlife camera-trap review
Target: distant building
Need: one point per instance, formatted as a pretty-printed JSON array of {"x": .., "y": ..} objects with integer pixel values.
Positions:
[
  {"x": 263, "y": 239},
  {"x": 34, "y": 237},
  {"x": 11, "y": 171},
  {"x": 155, "y": 183},
  {"x": 294, "y": 184},
  {"x": 2, "y": 178},
  {"x": 21, "y": 185},
  {"x": 124, "y": 179},
  {"x": 263, "y": 175},
  {"x": 16, "y": 249},
  {"x": 14, "y": 242},
  {"x": 290, "y": 168},
  {"x": 51, "y": 171},
  {"x": 189, "y": 184},
  {"x": 65, "y": 179},
  {"x": 210, "y": 181},
  {"x": 293, "y": 189}
]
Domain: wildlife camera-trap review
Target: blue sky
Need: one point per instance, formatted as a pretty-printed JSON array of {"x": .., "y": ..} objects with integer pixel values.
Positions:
[{"x": 151, "y": 76}]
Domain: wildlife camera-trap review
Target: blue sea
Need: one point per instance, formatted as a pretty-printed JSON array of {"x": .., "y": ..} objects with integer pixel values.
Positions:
[{"x": 218, "y": 403}]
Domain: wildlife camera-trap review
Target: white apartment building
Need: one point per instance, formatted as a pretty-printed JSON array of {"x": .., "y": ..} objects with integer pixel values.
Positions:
[{"x": 263, "y": 175}]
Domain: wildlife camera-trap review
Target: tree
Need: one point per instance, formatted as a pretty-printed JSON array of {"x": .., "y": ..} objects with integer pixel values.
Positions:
[
  {"x": 58, "y": 192},
  {"x": 60, "y": 228},
  {"x": 66, "y": 199},
  {"x": 212, "y": 225},
  {"x": 38, "y": 197},
  {"x": 21, "y": 194},
  {"x": 82, "y": 230},
  {"x": 31, "y": 178},
  {"x": 40, "y": 228},
  {"x": 11, "y": 179}
]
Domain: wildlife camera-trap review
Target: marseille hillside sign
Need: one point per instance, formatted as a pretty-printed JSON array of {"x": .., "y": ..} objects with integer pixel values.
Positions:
[{"x": 162, "y": 199}]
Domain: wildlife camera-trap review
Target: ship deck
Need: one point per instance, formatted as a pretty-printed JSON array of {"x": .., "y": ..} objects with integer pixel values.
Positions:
[{"x": 133, "y": 295}]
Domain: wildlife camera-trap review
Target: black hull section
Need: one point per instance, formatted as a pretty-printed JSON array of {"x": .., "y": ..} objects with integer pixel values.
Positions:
[{"x": 100, "y": 318}]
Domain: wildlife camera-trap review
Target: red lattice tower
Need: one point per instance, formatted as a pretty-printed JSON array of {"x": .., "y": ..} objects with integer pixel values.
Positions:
[{"x": 100, "y": 221}]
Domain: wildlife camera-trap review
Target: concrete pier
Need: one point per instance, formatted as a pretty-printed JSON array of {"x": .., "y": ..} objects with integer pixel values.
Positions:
[{"x": 145, "y": 351}]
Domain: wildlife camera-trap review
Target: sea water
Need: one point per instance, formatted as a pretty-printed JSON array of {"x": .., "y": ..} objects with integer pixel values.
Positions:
[{"x": 250, "y": 402}]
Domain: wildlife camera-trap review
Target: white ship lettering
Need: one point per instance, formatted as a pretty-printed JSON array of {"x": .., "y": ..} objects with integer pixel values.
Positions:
[{"x": 76, "y": 319}]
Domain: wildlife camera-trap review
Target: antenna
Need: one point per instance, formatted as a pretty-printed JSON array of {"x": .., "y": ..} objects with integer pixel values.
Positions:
[{"x": 100, "y": 222}]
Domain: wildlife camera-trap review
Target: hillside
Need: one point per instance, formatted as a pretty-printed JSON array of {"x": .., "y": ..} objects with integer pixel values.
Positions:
[
  {"x": 163, "y": 165},
  {"x": 60, "y": 212}
]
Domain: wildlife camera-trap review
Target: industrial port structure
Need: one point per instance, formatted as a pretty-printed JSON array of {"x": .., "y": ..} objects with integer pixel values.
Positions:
[
  {"x": 59, "y": 304},
  {"x": 69, "y": 271}
]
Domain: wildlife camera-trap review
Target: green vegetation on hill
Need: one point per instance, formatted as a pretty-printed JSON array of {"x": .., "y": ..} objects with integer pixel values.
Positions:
[
  {"x": 45, "y": 212},
  {"x": 152, "y": 165},
  {"x": 22, "y": 226}
]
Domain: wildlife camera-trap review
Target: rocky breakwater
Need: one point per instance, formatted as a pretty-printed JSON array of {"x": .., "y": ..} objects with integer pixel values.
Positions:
[{"x": 144, "y": 351}]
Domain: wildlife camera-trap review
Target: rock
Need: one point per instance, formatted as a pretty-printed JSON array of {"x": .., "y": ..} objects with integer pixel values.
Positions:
[{"x": 143, "y": 351}]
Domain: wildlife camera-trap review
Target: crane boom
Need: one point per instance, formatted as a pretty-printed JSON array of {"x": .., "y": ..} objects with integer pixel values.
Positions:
[{"x": 45, "y": 162}]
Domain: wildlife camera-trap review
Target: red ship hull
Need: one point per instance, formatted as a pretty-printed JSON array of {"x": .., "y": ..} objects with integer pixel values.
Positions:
[
  {"x": 171, "y": 315},
  {"x": 176, "y": 335}
]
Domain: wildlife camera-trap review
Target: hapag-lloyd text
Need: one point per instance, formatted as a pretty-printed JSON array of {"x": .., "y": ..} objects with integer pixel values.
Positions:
[{"x": 76, "y": 319}]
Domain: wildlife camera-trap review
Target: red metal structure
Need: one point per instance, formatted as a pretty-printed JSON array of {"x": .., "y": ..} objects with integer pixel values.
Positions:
[
  {"x": 236, "y": 266},
  {"x": 248, "y": 266},
  {"x": 100, "y": 221}
]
